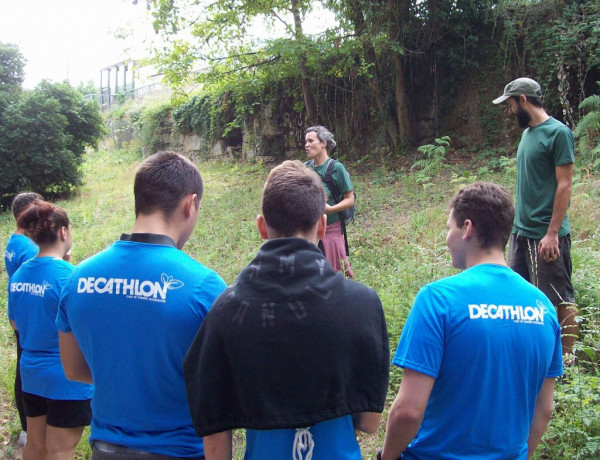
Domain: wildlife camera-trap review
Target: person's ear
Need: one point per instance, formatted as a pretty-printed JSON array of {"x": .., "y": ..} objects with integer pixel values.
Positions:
[
  {"x": 261, "y": 223},
  {"x": 522, "y": 99},
  {"x": 189, "y": 204},
  {"x": 322, "y": 226},
  {"x": 468, "y": 229},
  {"x": 63, "y": 233}
]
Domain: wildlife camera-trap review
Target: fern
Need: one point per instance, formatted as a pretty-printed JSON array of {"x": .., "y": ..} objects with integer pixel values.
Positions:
[
  {"x": 590, "y": 103},
  {"x": 589, "y": 125}
]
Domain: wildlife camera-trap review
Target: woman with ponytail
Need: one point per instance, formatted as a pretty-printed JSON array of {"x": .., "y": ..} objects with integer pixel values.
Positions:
[{"x": 57, "y": 409}]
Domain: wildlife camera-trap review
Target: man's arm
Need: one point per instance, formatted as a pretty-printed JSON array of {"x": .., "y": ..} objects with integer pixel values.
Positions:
[
  {"x": 406, "y": 414},
  {"x": 541, "y": 415},
  {"x": 548, "y": 247},
  {"x": 73, "y": 362},
  {"x": 218, "y": 446},
  {"x": 367, "y": 422}
]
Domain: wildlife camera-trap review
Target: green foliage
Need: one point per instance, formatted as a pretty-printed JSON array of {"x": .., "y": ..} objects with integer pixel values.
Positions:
[
  {"x": 85, "y": 125},
  {"x": 154, "y": 123},
  {"x": 435, "y": 155},
  {"x": 43, "y": 135},
  {"x": 396, "y": 257},
  {"x": 588, "y": 132},
  {"x": 202, "y": 115},
  {"x": 575, "y": 429},
  {"x": 12, "y": 65},
  {"x": 87, "y": 88}
]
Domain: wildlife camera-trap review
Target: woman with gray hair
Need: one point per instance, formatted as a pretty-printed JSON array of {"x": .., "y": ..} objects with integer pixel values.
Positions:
[{"x": 319, "y": 143}]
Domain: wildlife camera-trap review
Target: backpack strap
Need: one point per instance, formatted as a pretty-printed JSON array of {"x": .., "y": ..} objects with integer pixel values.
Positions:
[{"x": 327, "y": 177}]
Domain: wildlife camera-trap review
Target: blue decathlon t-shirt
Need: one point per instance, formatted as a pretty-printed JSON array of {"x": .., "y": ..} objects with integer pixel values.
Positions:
[
  {"x": 333, "y": 439},
  {"x": 34, "y": 290},
  {"x": 18, "y": 250},
  {"x": 134, "y": 309},
  {"x": 489, "y": 338}
]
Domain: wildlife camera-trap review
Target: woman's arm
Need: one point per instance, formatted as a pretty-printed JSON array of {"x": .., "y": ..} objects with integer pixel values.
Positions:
[{"x": 347, "y": 201}]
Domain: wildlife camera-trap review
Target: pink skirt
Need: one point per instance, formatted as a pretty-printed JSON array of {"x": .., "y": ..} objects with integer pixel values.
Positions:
[{"x": 335, "y": 249}]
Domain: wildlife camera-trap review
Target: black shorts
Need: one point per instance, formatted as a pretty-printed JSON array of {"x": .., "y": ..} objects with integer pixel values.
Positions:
[
  {"x": 552, "y": 278},
  {"x": 60, "y": 413}
]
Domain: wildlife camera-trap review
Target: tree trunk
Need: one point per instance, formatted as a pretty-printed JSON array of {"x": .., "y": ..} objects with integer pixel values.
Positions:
[
  {"x": 309, "y": 100},
  {"x": 391, "y": 124},
  {"x": 398, "y": 14}
]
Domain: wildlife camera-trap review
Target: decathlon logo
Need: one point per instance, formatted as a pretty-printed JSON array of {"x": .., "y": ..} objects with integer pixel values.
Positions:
[
  {"x": 130, "y": 288},
  {"x": 516, "y": 313},
  {"x": 9, "y": 255},
  {"x": 31, "y": 288}
]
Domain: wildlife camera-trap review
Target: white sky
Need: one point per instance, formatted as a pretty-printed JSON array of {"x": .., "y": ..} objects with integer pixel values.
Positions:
[{"x": 73, "y": 39}]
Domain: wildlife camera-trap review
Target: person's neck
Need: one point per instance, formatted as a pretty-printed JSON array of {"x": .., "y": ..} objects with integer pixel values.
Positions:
[
  {"x": 489, "y": 256},
  {"x": 19, "y": 231},
  {"x": 155, "y": 223},
  {"x": 321, "y": 159},
  {"x": 538, "y": 116},
  {"x": 55, "y": 250}
]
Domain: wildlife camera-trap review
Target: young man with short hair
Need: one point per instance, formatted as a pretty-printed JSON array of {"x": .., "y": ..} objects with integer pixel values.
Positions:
[
  {"x": 128, "y": 315},
  {"x": 20, "y": 249},
  {"x": 540, "y": 243},
  {"x": 480, "y": 350},
  {"x": 292, "y": 351}
]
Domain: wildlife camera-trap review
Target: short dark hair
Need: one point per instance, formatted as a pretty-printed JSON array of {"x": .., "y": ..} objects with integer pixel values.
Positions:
[
  {"x": 163, "y": 180},
  {"x": 21, "y": 201},
  {"x": 490, "y": 209},
  {"x": 323, "y": 134},
  {"x": 293, "y": 198},
  {"x": 41, "y": 221},
  {"x": 534, "y": 101}
]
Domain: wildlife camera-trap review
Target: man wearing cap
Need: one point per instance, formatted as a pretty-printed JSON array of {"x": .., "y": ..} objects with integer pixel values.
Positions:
[{"x": 540, "y": 243}]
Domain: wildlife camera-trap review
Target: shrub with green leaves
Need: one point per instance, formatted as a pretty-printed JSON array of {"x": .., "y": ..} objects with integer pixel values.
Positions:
[
  {"x": 43, "y": 135},
  {"x": 588, "y": 132}
]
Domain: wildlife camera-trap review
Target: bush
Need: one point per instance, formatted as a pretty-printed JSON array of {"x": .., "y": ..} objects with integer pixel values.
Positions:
[
  {"x": 154, "y": 123},
  {"x": 43, "y": 135}
]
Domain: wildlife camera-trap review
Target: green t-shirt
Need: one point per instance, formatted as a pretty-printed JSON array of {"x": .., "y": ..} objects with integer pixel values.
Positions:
[
  {"x": 542, "y": 148},
  {"x": 340, "y": 178}
]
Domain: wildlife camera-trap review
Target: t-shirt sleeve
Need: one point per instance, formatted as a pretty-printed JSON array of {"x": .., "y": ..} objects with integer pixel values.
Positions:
[
  {"x": 11, "y": 312},
  {"x": 556, "y": 366},
  {"x": 62, "y": 319},
  {"x": 421, "y": 346},
  {"x": 341, "y": 179},
  {"x": 213, "y": 286},
  {"x": 564, "y": 147}
]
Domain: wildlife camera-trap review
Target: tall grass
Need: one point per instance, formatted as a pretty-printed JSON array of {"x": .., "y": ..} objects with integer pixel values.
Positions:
[{"x": 397, "y": 245}]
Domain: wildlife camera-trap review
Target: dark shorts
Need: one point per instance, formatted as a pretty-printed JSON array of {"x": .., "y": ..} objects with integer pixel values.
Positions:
[
  {"x": 107, "y": 451},
  {"x": 552, "y": 278},
  {"x": 59, "y": 413}
]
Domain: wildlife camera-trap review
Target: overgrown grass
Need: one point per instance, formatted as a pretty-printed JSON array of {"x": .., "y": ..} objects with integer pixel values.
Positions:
[{"x": 397, "y": 245}]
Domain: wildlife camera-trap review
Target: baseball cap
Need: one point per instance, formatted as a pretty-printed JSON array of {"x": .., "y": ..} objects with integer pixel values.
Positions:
[{"x": 526, "y": 86}]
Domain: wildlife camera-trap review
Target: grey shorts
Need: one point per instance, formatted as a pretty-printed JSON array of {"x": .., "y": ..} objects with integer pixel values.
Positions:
[
  {"x": 552, "y": 278},
  {"x": 107, "y": 451}
]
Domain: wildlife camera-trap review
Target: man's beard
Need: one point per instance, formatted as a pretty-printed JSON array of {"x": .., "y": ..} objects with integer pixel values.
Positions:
[{"x": 523, "y": 117}]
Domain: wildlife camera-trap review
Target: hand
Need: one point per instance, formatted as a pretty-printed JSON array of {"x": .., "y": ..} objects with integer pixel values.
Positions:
[{"x": 548, "y": 248}]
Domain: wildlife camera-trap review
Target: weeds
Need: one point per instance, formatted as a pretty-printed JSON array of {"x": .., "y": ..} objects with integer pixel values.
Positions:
[{"x": 397, "y": 244}]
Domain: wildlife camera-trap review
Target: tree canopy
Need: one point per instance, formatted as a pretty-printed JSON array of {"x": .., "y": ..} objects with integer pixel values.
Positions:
[
  {"x": 400, "y": 72},
  {"x": 43, "y": 132}
]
